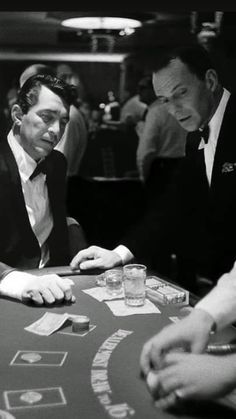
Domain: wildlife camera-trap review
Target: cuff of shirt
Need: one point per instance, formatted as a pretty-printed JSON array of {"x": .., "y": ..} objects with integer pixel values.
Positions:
[
  {"x": 13, "y": 283},
  {"x": 6, "y": 272},
  {"x": 217, "y": 304},
  {"x": 125, "y": 254}
]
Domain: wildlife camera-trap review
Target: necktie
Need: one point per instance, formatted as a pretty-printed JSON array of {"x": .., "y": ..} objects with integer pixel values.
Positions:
[
  {"x": 40, "y": 168},
  {"x": 205, "y": 133}
]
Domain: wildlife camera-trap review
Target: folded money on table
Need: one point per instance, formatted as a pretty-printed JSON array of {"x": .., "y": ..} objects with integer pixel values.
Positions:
[{"x": 49, "y": 323}]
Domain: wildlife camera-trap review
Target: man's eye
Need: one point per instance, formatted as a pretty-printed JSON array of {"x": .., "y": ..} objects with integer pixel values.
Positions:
[
  {"x": 46, "y": 118},
  {"x": 182, "y": 92}
]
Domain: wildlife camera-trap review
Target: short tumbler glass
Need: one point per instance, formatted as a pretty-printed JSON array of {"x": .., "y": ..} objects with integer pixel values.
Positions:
[
  {"x": 134, "y": 284},
  {"x": 114, "y": 281}
]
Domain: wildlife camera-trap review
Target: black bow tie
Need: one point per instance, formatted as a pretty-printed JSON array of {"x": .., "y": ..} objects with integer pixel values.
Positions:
[
  {"x": 40, "y": 168},
  {"x": 205, "y": 133}
]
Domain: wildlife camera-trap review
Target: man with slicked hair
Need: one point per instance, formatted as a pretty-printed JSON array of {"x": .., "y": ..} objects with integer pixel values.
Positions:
[
  {"x": 199, "y": 225},
  {"x": 33, "y": 224}
]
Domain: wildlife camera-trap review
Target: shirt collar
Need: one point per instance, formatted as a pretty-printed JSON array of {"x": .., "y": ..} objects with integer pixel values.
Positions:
[
  {"x": 216, "y": 121},
  {"x": 25, "y": 163}
]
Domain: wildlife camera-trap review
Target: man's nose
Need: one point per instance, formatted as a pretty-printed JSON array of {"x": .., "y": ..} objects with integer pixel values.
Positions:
[
  {"x": 173, "y": 108},
  {"x": 54, "y": 128}
]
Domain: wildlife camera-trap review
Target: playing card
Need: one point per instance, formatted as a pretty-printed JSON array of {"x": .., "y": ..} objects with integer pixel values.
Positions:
[
  {"x": 35, "y": 397},
  {"x": 39, "y": 358}
]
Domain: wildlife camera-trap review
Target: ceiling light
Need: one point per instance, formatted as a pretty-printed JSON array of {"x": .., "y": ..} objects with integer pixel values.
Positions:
[{"x": 101, "y": 23}]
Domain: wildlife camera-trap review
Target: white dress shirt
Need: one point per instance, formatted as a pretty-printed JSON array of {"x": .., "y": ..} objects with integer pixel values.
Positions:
[
  {"x": 214, "y": 127},
  {"x": 36, "y": 197}
]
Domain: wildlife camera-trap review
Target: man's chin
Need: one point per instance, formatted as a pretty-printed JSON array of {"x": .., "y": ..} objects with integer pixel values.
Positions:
[
  {"x": 42, "y": 152},
  {"x": 188, "y": 127}
]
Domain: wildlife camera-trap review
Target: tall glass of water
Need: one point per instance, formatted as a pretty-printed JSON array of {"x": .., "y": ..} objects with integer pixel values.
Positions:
[{"x": 134, "y": 284}]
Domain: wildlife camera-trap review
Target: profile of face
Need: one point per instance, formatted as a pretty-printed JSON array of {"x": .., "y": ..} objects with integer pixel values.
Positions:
[
  {"x": 41, "y": 128},
  {"x": 188, "y": 98}
]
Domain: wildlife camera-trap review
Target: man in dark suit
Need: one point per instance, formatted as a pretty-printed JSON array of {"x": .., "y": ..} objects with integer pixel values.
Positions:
[
  {"x": 33, "y": 225},
  {"x": 199, "y": 225}
]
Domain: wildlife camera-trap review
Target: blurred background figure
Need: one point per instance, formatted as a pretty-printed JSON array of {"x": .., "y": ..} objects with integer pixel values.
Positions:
[
  {"x": 5, "y": 114},
  {"x": 95, "y": 122},
  {"x": 161, "y": 142},
  {"x": 132, "y": 112},
  {"x": 112, "y": 108},
  {"x": 34, "y": 69},
  {"x": 66, "y": 73},
  {"x": 74, "y": 141}
]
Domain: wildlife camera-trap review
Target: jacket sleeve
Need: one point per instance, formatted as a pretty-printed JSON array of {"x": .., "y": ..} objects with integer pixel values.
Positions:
[{"x": 4, "y": 270}]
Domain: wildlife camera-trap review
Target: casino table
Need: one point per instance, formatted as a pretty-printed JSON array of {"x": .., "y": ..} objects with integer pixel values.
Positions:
[{"x": 99, "y": 376}]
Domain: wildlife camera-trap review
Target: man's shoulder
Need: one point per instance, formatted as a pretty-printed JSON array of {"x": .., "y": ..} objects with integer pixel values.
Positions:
[
  {"x": 231, "y": 105},
  {"x": 57, "y": 157},
  {"x": 6, "y": 154},
  {"x": 56, "y": 163}
]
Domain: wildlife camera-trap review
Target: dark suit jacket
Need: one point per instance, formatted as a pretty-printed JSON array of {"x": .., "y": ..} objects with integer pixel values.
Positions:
[
  {"x": 19, "y": 247},
  {"x": 196, "y": 221}
]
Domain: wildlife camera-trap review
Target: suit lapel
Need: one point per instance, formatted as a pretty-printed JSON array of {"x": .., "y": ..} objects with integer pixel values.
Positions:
[
  {"x": 17, "y": 198},
  {"x": 197, "y": 163},
  {"x": 225, "y": 150}
]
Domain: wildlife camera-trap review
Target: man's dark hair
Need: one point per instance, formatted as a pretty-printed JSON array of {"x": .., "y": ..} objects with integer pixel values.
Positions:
[
  {"x": 195, "y": 57},
  {"x": 34, "y": 69},
  {"x": 29, "y": 93},
  {"x": 145, "y": 82}
]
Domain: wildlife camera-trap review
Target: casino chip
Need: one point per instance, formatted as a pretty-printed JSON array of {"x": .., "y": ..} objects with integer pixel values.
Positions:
[
  {"x": 6, "y": 415},
  {"x": 31, "y": 397},
  {"x": 31, "y": 357},
  {"x": 80, "y": 323}
]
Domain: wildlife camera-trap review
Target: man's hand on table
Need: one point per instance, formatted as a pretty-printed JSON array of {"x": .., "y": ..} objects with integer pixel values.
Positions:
[
  {"x": 191, "y": 333},
  {"x": 45, "y": 289},
  {"x": 95, "y": 257}
]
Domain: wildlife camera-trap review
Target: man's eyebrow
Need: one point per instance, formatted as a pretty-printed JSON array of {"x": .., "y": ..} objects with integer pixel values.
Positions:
[
  {"x": 48, "y": 110},
  {"x": 172, "y": 91},
  {"x": 177, "y": 86}
]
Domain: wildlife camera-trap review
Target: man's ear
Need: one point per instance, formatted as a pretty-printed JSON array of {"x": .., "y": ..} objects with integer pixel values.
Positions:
[
  {"x": 211, "y": 79},
  {"x": 16, "y": 114}
]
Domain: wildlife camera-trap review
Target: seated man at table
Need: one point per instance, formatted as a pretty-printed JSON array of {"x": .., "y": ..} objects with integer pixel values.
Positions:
[
  {"x": 33, "y": 224},
  {"x": 197, "y": 223},
  {"x": 172, "y": 376}
]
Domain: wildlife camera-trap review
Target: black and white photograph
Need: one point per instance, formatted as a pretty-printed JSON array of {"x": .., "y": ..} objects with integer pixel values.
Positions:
[{"x": 118, "y": 212}]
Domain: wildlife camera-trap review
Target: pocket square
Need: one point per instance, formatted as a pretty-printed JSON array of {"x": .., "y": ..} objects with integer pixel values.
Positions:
[{"x": 228, "y": 167}]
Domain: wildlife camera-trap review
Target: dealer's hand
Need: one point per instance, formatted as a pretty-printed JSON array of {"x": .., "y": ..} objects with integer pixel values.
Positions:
[
  {"x": 192, "y": 334},
  {"x": 190, "y": 376}
]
